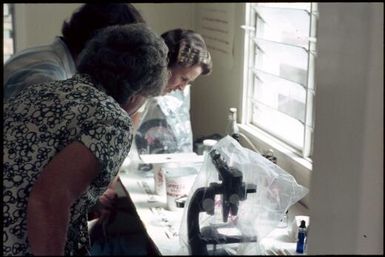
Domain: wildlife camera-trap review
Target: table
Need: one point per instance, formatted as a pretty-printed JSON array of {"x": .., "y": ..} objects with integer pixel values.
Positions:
[{"x": 163, "y": 225}]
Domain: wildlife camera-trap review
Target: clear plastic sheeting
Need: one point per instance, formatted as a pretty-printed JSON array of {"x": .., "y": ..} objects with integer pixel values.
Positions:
[
  {"x": 237, "y": 199},
  {"x": 165, "y": 126}
]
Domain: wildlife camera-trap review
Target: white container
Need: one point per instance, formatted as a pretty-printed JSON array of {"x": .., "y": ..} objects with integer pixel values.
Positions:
[
  {"x": 179, "y": 181},
  {"x": 208, "y": 145},
  {"x": 162, "y": 161},
  {"x": 160, "y": 177}
]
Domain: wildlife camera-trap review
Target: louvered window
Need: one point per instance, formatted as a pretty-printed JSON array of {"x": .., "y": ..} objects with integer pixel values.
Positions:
[
  {"x": 8, "y": 49},
  {"x": 280, "y": 88}
]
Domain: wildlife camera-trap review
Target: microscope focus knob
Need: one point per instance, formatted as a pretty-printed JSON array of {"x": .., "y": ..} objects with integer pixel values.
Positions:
[{"x": 208, "y": 205}]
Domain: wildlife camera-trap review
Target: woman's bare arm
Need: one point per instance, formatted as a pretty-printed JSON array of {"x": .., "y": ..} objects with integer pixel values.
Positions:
[{"x": 60, "y": 184}]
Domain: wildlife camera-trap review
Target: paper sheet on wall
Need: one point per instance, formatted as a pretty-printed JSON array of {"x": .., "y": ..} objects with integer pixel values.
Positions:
[{"x": 215, "y": 22}]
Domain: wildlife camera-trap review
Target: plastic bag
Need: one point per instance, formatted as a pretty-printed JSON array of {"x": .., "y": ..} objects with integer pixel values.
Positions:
[
  {"x": 165, "y": 126},
  {"x": 258, "y": 214}
]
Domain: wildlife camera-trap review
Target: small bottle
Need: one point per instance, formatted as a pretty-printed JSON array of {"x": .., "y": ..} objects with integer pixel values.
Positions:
[
  {"x": 301, "y": 241},
  {"x": 232, "y": 127}
]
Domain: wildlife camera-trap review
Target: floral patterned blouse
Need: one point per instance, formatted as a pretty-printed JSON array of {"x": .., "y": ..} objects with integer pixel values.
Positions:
[{"x": 38, "y": 123}]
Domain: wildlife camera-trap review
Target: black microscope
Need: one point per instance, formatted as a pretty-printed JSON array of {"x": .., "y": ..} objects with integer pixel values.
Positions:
[{"x": 232, "y": 190}]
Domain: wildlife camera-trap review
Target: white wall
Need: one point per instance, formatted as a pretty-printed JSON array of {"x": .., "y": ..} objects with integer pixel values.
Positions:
[
  {"x": 372, "y": 183},
  {"x": 162, "y": 17},
  {"x": 38, "y": 24},
  {"x": 212, "y": 96},
  {"x": 346, "y": 197}
]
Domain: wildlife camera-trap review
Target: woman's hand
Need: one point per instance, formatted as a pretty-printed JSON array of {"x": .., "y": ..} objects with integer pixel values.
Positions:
[
  {"x": 105, "y": 206},
  {"x": 106, "y": 209},
  {"x": 108, "y": 198}
]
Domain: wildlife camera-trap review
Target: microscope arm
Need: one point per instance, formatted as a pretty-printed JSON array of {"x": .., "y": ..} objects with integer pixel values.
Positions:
[{"x": 196, "y": 243}]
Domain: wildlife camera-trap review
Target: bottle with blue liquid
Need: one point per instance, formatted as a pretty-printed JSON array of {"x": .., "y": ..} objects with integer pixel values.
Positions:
[{"x": 302, "y": 234}]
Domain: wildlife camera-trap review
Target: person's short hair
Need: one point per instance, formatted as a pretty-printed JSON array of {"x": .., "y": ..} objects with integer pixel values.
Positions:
[
  {"x": 187, "y": 48},
  {"x": 91, "y": 17},
  {"x": 126, "y": 60}
]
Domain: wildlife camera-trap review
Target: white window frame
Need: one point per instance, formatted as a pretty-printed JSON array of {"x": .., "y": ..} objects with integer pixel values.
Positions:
[{"x": 287, "y": 153}]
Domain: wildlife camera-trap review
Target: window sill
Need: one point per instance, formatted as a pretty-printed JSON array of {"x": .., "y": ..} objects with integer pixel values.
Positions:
[{"x": 265, "y": 142}]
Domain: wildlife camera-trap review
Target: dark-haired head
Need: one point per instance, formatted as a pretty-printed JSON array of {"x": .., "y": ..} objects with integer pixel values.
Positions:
[
  {"x": 186, "y": 49},
  {"x": 91, "y": 17},
  {"x": 126, "y": 60}
]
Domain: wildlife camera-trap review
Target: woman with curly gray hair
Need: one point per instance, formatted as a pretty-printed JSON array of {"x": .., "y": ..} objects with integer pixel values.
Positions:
[
  {"x": 127, "y": 68},
  {"x": 65, "y": 140}
]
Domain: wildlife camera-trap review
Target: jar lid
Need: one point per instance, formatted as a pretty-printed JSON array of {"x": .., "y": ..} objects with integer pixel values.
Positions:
[{"x": 209, "y": 142}]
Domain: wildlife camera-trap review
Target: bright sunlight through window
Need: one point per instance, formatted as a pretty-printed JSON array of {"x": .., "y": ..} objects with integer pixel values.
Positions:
[
  {"x": 280, "y": 86},
  {"x": 8, "y": 47}
]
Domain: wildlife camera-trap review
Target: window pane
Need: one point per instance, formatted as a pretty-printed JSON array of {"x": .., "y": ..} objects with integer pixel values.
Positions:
[
  {"x": 6, "y": 9},
  {"x": 7, "y": 33},
  {"x": 284, "y": 127},
  {"x": 281, "y": 95},
  {"x": 280, "y": 90},
  {"x": 288, "y": 62},
  {"x": 283, "y": 25},
  {"x": 304, "y": 6}
]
